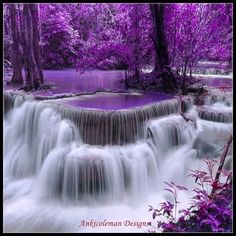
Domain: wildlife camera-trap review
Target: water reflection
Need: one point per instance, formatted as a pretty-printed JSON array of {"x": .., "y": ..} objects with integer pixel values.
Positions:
[
  {"x": 113, "y": 101},
  {"x": 71, "y": 81}
]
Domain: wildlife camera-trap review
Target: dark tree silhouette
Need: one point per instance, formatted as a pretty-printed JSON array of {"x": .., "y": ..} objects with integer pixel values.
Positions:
[
  {"x": 16, "y": 55},
  {"x": 162, "y": 62},
  {"x": 136, "y": 43},
  {"x": 33, "y": 67}
]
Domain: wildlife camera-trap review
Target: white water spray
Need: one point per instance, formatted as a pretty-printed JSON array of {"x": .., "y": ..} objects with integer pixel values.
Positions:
[{"x": 53, "y": 181}]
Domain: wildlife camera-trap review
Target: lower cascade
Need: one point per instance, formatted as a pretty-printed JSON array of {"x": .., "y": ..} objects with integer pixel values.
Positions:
[{"x": 48, "y": 165}]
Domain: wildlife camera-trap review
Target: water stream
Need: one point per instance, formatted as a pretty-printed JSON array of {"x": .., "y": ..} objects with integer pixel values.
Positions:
[{"x": 54, "y": 182}]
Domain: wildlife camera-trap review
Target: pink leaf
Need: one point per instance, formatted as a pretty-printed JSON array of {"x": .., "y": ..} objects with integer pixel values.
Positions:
[{"x": 168, "y": 190}]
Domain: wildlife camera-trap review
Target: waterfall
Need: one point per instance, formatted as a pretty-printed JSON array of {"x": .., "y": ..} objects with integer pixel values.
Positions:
[
  {"x": 117, "y": 127},
  {"x": 8, "y": 102},
  {"x": 216, "y": 115},
  {"x": 40, "y": 142},
  {"x": 32, "y": 130},
  {"x": 14, "y": 99},
  {"x": 169, "y": 132},
  {"x": 217, "y": 109},
  {"x": 218, "y": 98},
  {"x": 51, "y": 167},
  {"x": 98, "y": 173},
  {"x": 120, "y": 127}
]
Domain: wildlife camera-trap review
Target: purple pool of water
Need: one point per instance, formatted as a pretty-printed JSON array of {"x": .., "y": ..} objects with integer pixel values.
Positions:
[
  {"x": 70, "y": 81},
  {"x": 115, "y": 101}
]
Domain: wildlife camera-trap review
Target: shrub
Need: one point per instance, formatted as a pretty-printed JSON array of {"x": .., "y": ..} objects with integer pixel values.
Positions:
[{"x": 209, "y": 212}]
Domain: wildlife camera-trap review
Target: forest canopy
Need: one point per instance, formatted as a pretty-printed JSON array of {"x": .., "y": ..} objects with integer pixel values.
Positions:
[{"x": 121, "y": 36}]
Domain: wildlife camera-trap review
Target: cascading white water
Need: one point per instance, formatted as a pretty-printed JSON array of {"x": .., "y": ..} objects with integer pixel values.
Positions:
[
  {"x": 97, "y": 173},
  {"x": 53, "y": 181},
  {"x": 31, "y": 132}
]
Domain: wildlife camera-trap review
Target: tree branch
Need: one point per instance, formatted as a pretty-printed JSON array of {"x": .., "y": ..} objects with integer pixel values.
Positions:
[{"x": 222, "y": 160}]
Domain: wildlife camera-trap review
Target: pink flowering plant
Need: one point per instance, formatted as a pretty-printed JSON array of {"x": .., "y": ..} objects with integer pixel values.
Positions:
[{"x": 209, "y": 211}]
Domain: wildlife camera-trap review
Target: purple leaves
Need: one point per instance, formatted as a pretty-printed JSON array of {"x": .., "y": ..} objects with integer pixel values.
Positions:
[
  {"x": 185, "y": 212},
  {"x": 208, "y": 212},
  {"x": 181, "y": 187},
  {"x": 213, "y": 222},
  {"x": 154, "y": 214},
  {"x": 173, "y": 185},
  {"x": 167, "y": 208},
  {"x": 174, "y": 191},
  {"x": 197, "y": 174},
  {"x": 167, "y": 189}
]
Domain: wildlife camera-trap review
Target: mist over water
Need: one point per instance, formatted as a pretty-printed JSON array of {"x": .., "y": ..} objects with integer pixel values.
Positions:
[{"x": 53, "y": 181}]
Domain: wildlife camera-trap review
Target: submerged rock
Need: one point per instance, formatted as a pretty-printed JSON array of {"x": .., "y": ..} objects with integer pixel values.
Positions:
[{"x": 204, "y": 148}]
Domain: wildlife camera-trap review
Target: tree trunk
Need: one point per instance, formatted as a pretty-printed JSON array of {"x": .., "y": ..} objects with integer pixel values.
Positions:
[
  {"x": 136, "y": 52},
  {"x": 126, "y": 78},
  {"x": 22, "y": 37},
  {"x": 159, "y": 39},
  {"x": 183, "y": 87},
  {"x": 174, "y": 51},
  {"x": 162, "y": 62},
  {"x": 16, "y": 56},
  {"x": 36, "y": 39},
  {"x": 222, "y": 161},
  {"x": 229, "y": 18},
  {"x": 34, "y": 75}
]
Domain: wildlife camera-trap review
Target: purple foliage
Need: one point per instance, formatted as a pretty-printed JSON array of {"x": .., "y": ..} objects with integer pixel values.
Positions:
[
  {"x": 208, "y": 212},
  {"x": 120, "y": 35}
]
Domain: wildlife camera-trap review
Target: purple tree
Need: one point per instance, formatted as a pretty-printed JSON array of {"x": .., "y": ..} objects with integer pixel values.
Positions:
[
  {"x": 58, "y": 35},
  {"x": 170, "y": 37},
  {"x": 198, "y": 31}
]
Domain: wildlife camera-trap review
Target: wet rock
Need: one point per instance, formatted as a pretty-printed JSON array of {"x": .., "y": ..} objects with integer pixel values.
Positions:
[{"x": 204, "y": 148}]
